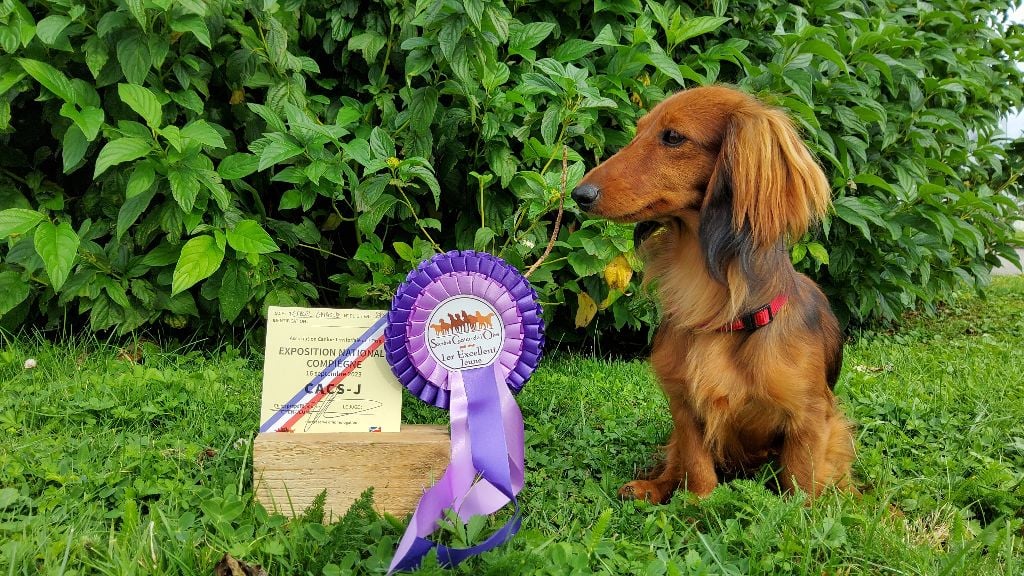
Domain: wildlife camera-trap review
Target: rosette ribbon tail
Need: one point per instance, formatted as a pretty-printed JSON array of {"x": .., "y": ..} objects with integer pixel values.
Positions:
[{"x": 484, "y": 474}]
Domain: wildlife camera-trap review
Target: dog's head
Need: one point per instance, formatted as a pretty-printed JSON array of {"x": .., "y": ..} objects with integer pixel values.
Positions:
[{"x": 719, "y": 157}]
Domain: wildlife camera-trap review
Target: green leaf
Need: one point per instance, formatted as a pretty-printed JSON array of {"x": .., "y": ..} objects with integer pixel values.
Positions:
[
  {"x": 234, "y": 292},
  {"x": 550, "y": 124},
  {"x": 173, "y": 136},
  {"x": 9, "y": 79},
  {"x": 347, "y": 115},
  {"x": 369, "y": 43},
  {"x": 211, "y": 180},
  {"x": 584, "y": 264},
  {"x": 194, "y": 24},
  {"x": 607, "y": 37},
  {"x": 18, "y": 221},
  {"x": 237, "y": 166},
  {"x": 358, "y": 150},
  {"x": 200, "y": 257},
  {"x": 269, "y": 116},
  {"x": 96, "y": 55},
  {"x": 797, "y": 253},
  {"x": 197, "y": 7},
  {"x": 669, "y": 67},
  {"x": 189, "y": 100},
  {"x": 875, "y": 181},
  {"x": 13, "y": 291},
  {"x": 404, "y": 251},
  {"x": 143, "y": 102},
  {"x": 89, "y": 119},
  {"x": 277, "y": 45},
  {"x": 493, "y": 77},
  {"x": 534, "y": 83},
  {"x": 696, "y": 27},
  {"x": 450, "y": 36},
  {"x": 141, "y": 180},
  {"x": 818, "y": 252},
  {"x": 57, "y": 245},
  {"x": 201, "y": 131},
  {"x": 49, "y": 29},
  {"x": 135, "y": 59},
  {"x": 381, "y": 144},
  {"x": 278, "y": 151},
  {"x": 121, "y": 150},
  {"x": 73, "y": 148},
  {"x": 132, "y": 208},
  {"x": 249, "y": 237},
  {"x": 369, "y": 219},
  {"x": 475, "y": 10},
  {"x": 165, "y": 253},
  {"x": 427, "y": 177},
  {"x": 184, "y": 186},
  {"x": 52, "y": 79},
  {"x": 116, "y": 292},
  {"x": 878, "y": 61},
  {"x": 524, "y": 37},
  {"x": 138, "y": 10},
  {"x": 482, "y": 238},
  {"x": 573, "y": 50},
  {"x": 826, "y": 51},
  {"x": 852, "y": 217}
]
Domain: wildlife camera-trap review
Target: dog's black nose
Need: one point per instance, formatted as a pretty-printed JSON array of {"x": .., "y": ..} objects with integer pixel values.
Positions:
[{"x": 586, "y": 195}]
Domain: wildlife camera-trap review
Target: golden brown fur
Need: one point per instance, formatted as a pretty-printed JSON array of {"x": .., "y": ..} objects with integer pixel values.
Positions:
[{"x": 729, "y": 180}]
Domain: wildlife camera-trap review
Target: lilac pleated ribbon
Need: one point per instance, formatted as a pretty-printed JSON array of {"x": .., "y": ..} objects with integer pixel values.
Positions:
[{"x": 502, "y": 339}]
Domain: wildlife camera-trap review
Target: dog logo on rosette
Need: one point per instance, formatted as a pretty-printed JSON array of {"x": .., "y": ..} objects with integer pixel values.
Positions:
[
  {"x": 463, "y": 321},
  {"x": 465, "y": 332}
]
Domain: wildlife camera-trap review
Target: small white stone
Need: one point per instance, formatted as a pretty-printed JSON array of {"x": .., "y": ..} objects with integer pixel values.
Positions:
[{"x": 30, "y": 363}]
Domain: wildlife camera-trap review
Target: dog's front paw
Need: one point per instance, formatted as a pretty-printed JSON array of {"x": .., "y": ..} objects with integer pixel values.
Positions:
[{"x": 644, "y": 490}]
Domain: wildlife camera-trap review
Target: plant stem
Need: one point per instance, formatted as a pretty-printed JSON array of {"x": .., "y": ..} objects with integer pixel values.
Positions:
[
  {"x": 320, "y": 250},
  {"x": 558, "y": 218},
  {"x": 408, "y": 204},
  {"x": 480, "y": 183}
]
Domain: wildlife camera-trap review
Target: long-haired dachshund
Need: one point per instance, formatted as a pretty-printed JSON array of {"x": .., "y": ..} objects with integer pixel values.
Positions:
[{"x": 748, "y": 350}]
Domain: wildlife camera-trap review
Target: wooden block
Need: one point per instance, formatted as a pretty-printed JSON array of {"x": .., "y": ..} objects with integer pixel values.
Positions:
[{"x": 290, "y": 470}]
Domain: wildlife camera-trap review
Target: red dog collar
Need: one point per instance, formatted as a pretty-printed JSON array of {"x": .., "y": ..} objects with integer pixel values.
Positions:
[{"x": 757, "y": 318}]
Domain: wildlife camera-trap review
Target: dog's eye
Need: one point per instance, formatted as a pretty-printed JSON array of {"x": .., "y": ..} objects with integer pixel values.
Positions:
[{"x": 672, "y": 138}]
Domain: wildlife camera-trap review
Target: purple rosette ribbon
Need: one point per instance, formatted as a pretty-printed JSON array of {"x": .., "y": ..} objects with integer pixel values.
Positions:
[{"x": 464, "y": 333}]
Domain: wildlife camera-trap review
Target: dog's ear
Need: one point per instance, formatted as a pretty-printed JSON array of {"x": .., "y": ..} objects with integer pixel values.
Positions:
[
  {"x": 777, "y": 187},
  {"x": 720, "y": 240}
]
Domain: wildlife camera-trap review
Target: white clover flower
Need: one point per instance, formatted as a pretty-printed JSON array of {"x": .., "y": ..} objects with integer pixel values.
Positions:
[{"x": 30, "y": 363}]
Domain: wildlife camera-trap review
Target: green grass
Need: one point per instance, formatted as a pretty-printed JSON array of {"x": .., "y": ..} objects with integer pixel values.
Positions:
[{"x": 111, "y": 467}]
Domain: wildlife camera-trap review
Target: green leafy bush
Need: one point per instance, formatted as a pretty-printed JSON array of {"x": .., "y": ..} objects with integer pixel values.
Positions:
[{"x": 190, "y": 162}]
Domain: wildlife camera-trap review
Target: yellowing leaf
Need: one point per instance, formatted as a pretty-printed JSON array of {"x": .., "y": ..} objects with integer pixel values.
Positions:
[
  {"x": 586, "y": 311},
  {"x": 617, "y": 273},
  {"x": 610, "y": 299}
]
